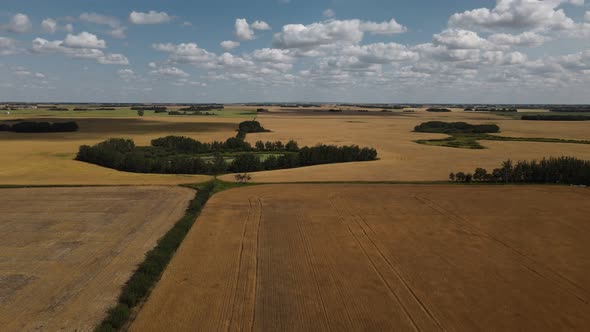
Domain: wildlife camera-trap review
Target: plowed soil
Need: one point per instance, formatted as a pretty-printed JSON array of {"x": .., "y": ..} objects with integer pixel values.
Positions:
[
  {"x": 381, "y": 258},
  {"x": 66, "y": 252}
]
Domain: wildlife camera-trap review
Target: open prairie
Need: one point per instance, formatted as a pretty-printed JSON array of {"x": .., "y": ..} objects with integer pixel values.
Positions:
[
  {"x": 66, "y": 252},
  {"x": 380, "y": 258},
  {"x": 401, "y": 159},
  {"x": 47, "y": 159}
]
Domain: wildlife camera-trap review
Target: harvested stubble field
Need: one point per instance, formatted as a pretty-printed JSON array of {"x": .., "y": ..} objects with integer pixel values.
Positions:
[
  {"x": 381, "y": 258},
  {"x": 401, "y": 159},
  {"x": 65, "y": 253}
]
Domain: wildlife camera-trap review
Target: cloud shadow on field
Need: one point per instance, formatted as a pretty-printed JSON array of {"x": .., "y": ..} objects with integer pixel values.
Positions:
[{"x": 113, "y": 127}]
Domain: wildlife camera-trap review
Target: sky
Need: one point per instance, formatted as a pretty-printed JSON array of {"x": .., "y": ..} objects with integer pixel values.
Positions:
[{"x": 370, "y": 51}]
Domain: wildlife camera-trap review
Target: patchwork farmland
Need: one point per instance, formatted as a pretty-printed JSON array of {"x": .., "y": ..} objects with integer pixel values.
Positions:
[{"x": 319, "y": 256}]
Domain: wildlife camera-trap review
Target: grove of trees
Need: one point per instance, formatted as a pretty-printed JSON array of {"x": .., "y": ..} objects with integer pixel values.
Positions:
[
  {"x": 194, "y": 157},
  {"x": 251, "y": 127},
  {"x": 564, "y": 170},
  {"x": 184, "y": 155},
  {"x": 456, "y": 128}
]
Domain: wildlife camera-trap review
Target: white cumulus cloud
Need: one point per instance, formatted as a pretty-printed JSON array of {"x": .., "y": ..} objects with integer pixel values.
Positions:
[
  {"x": 524, "y": 39},
  {"x": 229, "y": 45},
  {"x": 19, "y": 23},
  {"x": 113, "y": 59},
  {"x": 8, "y": 46},
  {"x": 461, "y": 39},
  {"x": 383, "y": 28},
  {"x": 151, "y": 17},
  {"x": 117, "y": 29},
  {"x": 49, "y": 25},
  {"x": 84, "y": 40},
  {"x": 243, "y": 30},
  {"x": 260, "y": 25},
  {"x": 331, "y": 32},
  {"x": 185, "y": 52},
  {"x": 517, "y": 14},
  {"x": 170, "y": 71}
]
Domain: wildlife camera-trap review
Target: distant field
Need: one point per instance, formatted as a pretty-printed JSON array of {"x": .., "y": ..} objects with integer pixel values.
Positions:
[
  {"x": 380, "y": 258},
  {"x": 48, "y": 158},
  {"x": 120, "y": 112},
  {"x": 401, "y": 159},
  {"x": 65, "y": 253}
]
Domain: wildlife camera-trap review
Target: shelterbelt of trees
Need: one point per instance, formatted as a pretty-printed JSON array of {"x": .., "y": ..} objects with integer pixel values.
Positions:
[
  {"x": 491, "y": 109},
  {"x": 556, "y": 117},
  {"x": 184, "y": 155},
  {"x": 456, "y": 128},
  {"x": 564, "y": 170},
  {"x": 40, "y": 127},
  {"x": 438, "y": 110}
]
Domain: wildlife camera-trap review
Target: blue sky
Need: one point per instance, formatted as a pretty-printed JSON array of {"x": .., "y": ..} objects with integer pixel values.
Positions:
[{"x": 504, "y": 51}]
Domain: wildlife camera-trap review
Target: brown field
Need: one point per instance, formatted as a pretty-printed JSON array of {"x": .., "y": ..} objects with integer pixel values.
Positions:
[
  {"x": 381, "y": 258},
  {"x": 66, "y": 252},
  {"x": 401, "y": 159},
  {"x": 47, "y": 159}
]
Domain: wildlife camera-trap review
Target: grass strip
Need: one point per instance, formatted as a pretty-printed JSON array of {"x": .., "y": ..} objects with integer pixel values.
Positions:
[
  {"x": 148, "y": 272},
  {"x": 470, "y": 141}
]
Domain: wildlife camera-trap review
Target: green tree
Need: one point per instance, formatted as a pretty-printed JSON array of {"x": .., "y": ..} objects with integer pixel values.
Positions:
[
  {"x": 292, "y": 146},
  {"x": 480, "y": 174}
]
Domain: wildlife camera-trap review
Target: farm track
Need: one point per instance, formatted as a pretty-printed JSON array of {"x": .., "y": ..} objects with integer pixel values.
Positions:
[{"x": 417, "y": 258}]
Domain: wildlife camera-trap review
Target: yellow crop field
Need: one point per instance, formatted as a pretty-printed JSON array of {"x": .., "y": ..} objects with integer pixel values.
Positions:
[
  {"x": 65, "y": 253},
  {"x": 401, "y": 159},
  {"x": 380, "y": 258},
  {"x": 47, "y": 159}
]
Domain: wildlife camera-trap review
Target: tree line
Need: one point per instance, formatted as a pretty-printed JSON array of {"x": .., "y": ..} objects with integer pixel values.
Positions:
[
  {"x": 571, "y": 109},
  {"x": 438, "y": 110},
  {"x": 40, "y": 127},
  {"x": 564, "y": 170},
  {"x": 200, "y": 108},
  {"x": 456, "y": 128},
  {"x": 491, "y": 109},
  {"x": 556, "y": 117},
  {"x": 158, "y": 109}
]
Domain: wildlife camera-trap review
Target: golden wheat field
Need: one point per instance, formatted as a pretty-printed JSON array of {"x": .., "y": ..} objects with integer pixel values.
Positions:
[
  {"x": 401, "y": 159},
  {"x": 380, "y": 258},
  {"x": 65, "y": 253},
  {"x": 47, "y": 159}
]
